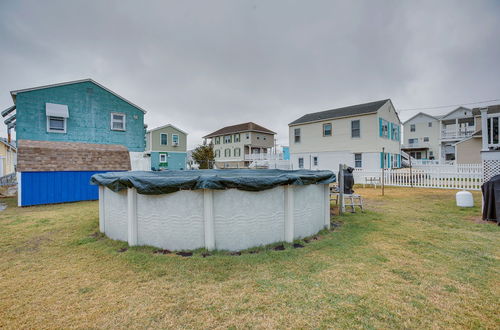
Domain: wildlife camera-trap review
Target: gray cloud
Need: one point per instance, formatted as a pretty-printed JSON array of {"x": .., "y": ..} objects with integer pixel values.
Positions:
[{"x": 201, "y": 65}]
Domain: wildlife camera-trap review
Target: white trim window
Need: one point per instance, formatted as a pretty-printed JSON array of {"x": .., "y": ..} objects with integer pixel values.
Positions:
[
  {"x": 413, "y": 128},
  {"x": 327, "y": 129},
  {"x": 175, "y": 140},
  {"x": 228, "y": 139},
  {"x": 163, "y": 158},
  {"x": 355, "y": 128},
  {"x": 358, "y": 160},
  {"x": 296, "y": 135},
  {"x": 217, "y": 153},
  {"x": 237, "y": 152},
  {"x": 301, "y": 162},
  {"x": 227, "y": 152},
  {"x": 315, "y": 161},
  {"x": 56, "y": 124},
  {"x": 163, "y": 139},
  {"x": 118, "y": 121},
  {"x": 236, "y": 138}
]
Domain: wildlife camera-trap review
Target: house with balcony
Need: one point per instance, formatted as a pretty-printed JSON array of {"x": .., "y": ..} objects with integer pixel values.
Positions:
[
  {"x": 237, "y": 146},
  {"x": 454, "y": 137},
  {"x": 167, "y": 148},
  {"x": 362, "y": 136},
  {"x": 490, "y": 140},
  {"x": 67, "y": 132},
  {"x": 422, "y": 136}
]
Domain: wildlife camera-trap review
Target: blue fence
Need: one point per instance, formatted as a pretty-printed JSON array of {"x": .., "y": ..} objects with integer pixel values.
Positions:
[{"x": 57, "y": 187}]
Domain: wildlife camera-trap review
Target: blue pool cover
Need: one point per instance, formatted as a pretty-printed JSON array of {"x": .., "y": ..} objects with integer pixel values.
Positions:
[{"x": 165, "y": 182}]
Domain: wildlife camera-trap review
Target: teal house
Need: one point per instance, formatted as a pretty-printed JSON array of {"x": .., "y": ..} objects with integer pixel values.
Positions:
[
  {"x": 68, "y": 132},
  {"x": 167, "y": 147}
]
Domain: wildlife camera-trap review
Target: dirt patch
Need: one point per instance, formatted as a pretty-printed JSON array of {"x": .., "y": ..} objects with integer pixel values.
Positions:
[
  {"x": 184, "y": 254},
  {"x": 162, "y": 251},
  {"x": 298, "y": 246},
  {"x": 279, "y": 248},
  {"x": 33, "y": 245},
  {"x": 122, "y": 250},
  {"x": 479, "y": 219}
]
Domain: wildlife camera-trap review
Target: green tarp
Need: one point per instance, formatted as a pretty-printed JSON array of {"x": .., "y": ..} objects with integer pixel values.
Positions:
[{"x": 165, "y": 182}]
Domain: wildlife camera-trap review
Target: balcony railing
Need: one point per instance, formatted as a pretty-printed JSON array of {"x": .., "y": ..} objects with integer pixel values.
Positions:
[
  {"x": 264, "y": 156},
  {"x": 417, "y": 145},
  {"x": 454, "y": 134}
]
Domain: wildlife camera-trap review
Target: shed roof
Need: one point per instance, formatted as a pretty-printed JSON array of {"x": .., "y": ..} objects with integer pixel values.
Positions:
[
  {"x": 14, "y": 93},
  {"x": 352, "y": 110},
  {"x": 50, "y": 156},
  {"x": 245, "y": 127}
]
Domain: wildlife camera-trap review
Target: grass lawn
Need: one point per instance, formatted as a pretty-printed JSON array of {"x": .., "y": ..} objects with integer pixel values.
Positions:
[{"x": 412, "y": 260}]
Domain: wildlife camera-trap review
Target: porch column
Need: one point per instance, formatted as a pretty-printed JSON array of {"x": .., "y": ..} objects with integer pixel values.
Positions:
[
  {"x": 484, "y": 128},
  {"x": 456, "y": 128}
]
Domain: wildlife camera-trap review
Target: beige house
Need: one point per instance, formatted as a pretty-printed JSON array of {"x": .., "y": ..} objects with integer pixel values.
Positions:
[
  {"x": 362, "y": 136},
  {"x": 237, "y": 146},
  {"x": 422, "y": 137},
  {"x": 8, "y": 157}
]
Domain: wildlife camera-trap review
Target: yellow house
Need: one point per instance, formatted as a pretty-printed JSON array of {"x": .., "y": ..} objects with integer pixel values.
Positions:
[{"x": 8, "y": 156}]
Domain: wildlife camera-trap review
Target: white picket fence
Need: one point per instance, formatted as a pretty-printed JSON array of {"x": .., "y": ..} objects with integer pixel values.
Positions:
[{"x": 461, "y": 176}]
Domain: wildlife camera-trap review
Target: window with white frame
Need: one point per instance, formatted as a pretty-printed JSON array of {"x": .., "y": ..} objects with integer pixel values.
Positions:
[
  {"x": 163, "y": 139},
  {"x": 385, "y": 129},
  {"x": 163, "y": 158},
  {"x": 430, "y": 124},
  {"x": 56, "y": 124},
  {"x": 247, "y": 135},
  {"x": 217, "y": 153},
  {"x": 327, "y": 129},
  {"x": 217, "y": 140},
  {"x": 355, "y": 129},
  {"x": 237, "y": 152},
  {"x": 426, "y": 139},
  {"x": 395, "y": 132},
  {"x": 236, "y": 137},
  {"x": 493, "y": 123},
  {"x": 175, "y": 139},
  {"x": 412, "y": 128},
  {"x": 296, "y": 135},
  {"x": 227, "y": 139},
  {"x": 301, "y": 162},
  {"x": 315, "y": 160},
  {"x": 118, "y": 121},
  {"x": 358, "y": 161},
  {"x": 227, "y": 152}
]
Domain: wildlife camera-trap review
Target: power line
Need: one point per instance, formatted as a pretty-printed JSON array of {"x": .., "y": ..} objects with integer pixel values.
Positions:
[{"x": 447, "y": 106}]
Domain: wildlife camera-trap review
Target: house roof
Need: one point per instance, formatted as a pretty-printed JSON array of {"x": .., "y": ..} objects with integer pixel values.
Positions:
[
  {"x": 245, "y": 127},
  {"x": 165, "y": 126},
  {"x": 454, "y": 110},
  {"x": 491, "y": 109},
  {"x": 50, "y": 156},
  {"x": 422, "y": 113},
  {"x": 353, "y": 110},
  {"x": 14, "y": 93}
]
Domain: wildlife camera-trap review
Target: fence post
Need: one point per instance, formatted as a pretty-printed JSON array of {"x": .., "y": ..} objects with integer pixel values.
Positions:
[{"x": 383, "y": 167}]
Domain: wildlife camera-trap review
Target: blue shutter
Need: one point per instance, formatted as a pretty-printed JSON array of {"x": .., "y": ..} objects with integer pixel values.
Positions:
[
  {"x": 380, "y": 128},
  {"x": 389, "y": 160},
  {"x": 389, "y": 133},
  {"x": 399, "y": 160},
  {"x": 381, "y": 160}
]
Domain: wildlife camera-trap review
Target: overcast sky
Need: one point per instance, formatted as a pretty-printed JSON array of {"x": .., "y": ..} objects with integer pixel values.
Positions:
[{"x": 202, "y": 65}]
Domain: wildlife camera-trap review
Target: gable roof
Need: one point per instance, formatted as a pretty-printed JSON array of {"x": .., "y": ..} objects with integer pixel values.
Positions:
[
  {"x": 353, "y": 110},
  {"x": 422, "y": 113},
  {"x": 245, "y": 127},
  {"x": 165, "y": 126},
  {"x": 491, "y": 109},
  {"x": 14, "y": 93},
  {"x": 452, "y": 111},
  {"x": 12, "y": 144}
]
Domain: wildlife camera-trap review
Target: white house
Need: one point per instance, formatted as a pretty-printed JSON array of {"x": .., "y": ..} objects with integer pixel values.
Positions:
[
  {"x": 362, "y": 136},
  {"x": 237, "y": 146},
  {"x": 422, "y": 136}
]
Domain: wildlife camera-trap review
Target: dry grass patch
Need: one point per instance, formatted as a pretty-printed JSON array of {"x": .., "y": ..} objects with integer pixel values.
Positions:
[{"x": 413, "y": 260}]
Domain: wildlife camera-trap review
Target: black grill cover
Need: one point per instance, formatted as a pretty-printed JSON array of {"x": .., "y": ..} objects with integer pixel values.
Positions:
[
  {"x": 348, "y": 180},
  {"x": 491, "y": 197}
]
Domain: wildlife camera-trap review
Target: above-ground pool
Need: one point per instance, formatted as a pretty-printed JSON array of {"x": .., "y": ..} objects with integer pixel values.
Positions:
[{"x": 213, "y": 209}]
